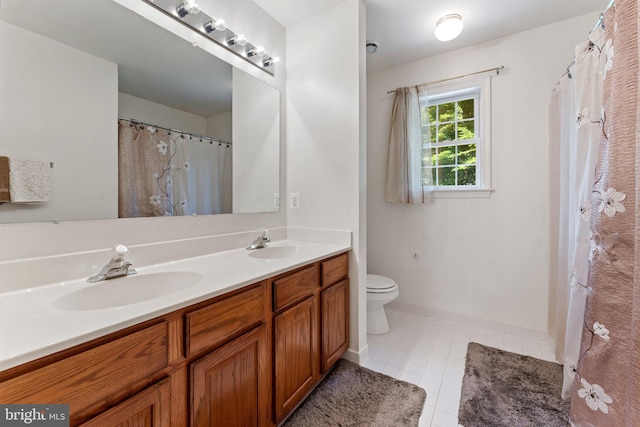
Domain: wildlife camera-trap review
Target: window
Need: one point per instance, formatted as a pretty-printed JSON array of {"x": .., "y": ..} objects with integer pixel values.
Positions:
[{"x": 455, "y": 129}]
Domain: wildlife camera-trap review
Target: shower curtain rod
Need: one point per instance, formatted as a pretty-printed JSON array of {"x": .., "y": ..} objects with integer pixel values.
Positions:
[
  {"x": 599, "y": 22},
  {"x": 201, "y": 137},
  {"x": 496, "y": 69},
  {"x": 601, "y": 17}
]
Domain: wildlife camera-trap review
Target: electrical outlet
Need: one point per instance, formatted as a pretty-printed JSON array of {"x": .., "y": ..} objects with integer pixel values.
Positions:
[
  {"x": 276, "y": 201},
  {"x": 295, "y": 200}
]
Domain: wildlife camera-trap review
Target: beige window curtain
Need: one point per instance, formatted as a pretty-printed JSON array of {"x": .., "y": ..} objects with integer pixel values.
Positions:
[{"x": 405, "y": 156}]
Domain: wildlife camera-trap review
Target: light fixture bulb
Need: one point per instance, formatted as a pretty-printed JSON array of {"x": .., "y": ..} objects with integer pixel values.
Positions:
[
  {"x": 187, "y": 7},
  {"x": 216, "y": 24},
  {"x": 255, "y": 51},
  {"x": 448, "y": 27},
  {"x": 270, "y": 61},
  {"x": 237, "y": 39}
]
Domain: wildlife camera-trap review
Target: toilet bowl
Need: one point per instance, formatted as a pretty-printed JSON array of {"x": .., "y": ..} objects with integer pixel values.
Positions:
[{"x": 381, "y": 290}]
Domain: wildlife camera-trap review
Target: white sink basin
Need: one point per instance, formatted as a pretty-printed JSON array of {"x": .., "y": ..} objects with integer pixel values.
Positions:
[
  {"x": 274, "y": 252},
  {"x": 127, "y": 290}
]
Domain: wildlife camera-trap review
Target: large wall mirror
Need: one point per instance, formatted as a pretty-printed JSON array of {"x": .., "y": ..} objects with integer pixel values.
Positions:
[{"x": 84, "y": 83}]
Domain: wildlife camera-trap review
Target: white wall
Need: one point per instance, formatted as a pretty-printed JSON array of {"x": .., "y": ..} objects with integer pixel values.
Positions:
[
  {"x": 256, "y": 144},
  {"x": 49, "y": 111},
  {"x": 324, "y": 134},
  {"x": 476, "y": 258},
  {"x": 220, "y": 126},
  {"x": 41, "y": 239},
  {"x": 132, "y": 107}
]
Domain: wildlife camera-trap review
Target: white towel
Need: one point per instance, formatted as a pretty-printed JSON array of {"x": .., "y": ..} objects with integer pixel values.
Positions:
[{"x": 29, "y": 180}]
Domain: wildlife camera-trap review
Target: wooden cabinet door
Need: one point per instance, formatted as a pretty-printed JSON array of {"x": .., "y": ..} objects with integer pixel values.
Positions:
[
  {"x": 335, "y": 323},
  {"x": 231, "y": 386},
  {"x": 149, "y": 408},
  {"x": 296, "y": 355}
]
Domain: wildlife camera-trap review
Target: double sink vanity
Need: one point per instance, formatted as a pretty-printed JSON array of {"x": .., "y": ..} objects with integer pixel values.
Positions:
[{"x": 231, "y": 338}]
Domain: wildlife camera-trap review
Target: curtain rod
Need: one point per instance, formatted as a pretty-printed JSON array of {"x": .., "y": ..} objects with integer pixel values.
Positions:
[
  {"x": 496, "y": 69},
  {"x": 140, "y": 122},
  {"x": 601, "y": 17},
  {"x": 599, "y": 22}
]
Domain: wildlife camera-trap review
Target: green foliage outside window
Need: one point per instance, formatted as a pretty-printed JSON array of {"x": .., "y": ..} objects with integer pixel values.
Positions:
[{"x": 449, "y": 164}]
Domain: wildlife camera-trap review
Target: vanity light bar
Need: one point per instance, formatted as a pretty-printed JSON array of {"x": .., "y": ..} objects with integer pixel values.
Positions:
[{"x": 188, "y": 13}]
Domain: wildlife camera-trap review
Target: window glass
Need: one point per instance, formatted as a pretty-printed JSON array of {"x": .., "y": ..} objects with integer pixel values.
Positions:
[{"x": 451, "y": 140}]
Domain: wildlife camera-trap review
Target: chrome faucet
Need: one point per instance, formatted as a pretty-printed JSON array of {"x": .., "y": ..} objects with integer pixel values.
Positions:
[
  {"x": 117, "y": 267},
  {"x": 260, "y": 241}
]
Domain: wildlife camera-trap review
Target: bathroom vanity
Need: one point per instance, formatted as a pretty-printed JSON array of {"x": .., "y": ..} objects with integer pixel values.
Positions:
[{"x": 247, "y": 356}]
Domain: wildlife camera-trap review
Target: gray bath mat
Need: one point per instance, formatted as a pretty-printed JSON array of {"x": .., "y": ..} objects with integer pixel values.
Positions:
[
  {"x": 355, "y": 396},
  {"x": 507, "y": 389}
]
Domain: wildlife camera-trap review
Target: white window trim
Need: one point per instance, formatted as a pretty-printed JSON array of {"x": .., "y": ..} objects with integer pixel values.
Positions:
[{"x": 483, "y": 189}]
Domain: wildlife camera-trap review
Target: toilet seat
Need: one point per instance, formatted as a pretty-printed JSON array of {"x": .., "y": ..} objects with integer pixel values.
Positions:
[{"x": 380, "y": 284}]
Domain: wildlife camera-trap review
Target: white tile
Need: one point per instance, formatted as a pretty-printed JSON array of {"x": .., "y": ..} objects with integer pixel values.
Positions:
[
  {"x": 415, "y": 366},
  {"x": 410, "y": 377},
  {"x": 478, "y": 335},
  {"x": 392, "y": 371},
  {"x": 518, "y": 331},
  {"x": 430, "y": 382},
  {"x": 374, "y": 365},
  {"x": 453, "y": 375},
  {"x": 461, "y": 333},
  {"x": 451, "y": 391},
  {"x": 444, "y": 419},
  {"x": 489, "y": 325},
  {"x": 432, "y": 354},
  {"x": 398, "y": 360},
  {"x": 435, "y": 368},
  {"x": 531, "y": 348},
  {"x": 432, "y": 398},
  {"x": 548, "y": 352},
  {"x": 381, "y": 355},
  {"x": 447, "y": 404},
  {"x": 513, "y": 344},
  {"x": 495, "y": 339},
  {"x": 541, "y": 336},
  {"x": 427, "y": 415}
]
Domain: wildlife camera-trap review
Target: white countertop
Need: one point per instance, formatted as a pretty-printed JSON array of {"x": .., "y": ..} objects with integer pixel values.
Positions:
[{"x": 33, "y": 327}]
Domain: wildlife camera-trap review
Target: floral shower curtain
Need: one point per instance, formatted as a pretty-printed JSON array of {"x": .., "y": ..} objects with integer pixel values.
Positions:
[
  {"x": 165, "y": 173},
  {"x": 210, "y": 168},
  {"x": 575, "y": 132},
  {"x": 606, "y": 385}
]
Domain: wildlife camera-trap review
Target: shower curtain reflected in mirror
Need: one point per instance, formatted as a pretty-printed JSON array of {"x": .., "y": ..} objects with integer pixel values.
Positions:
[{"x": 168, "y": 173}]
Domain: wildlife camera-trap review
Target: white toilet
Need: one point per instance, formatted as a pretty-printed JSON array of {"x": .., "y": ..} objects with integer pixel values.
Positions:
[{"x": 381, "y": 290}]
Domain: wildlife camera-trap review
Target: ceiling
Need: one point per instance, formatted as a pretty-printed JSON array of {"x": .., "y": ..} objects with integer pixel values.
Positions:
[{"x": 404, "y": 28}]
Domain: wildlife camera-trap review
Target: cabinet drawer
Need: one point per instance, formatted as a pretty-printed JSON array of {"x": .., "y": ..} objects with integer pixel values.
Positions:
[
  {"x": 88, "y": 380},
  {"x": 150, "y": 407},
  {"x": 214, "y": 324},
  {"x": 294, "y": 287},
  {"x": 335, "y": 269}
]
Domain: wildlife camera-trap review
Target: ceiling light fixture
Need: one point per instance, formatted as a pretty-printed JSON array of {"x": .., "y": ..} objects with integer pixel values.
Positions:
[
  {"x": 371, "y": 46},
  {"x": 448, "y": 27}
]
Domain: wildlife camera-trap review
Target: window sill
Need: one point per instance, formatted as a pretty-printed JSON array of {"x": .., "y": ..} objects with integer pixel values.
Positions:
[{"x": 470, "y": 193}]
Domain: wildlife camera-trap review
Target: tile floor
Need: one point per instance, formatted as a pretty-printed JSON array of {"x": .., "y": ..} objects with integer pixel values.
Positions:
[{"x": 431, "y": 353}]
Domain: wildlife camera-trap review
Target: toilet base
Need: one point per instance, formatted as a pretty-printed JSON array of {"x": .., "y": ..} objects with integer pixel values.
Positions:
[{"x": 377, "y": 320}]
